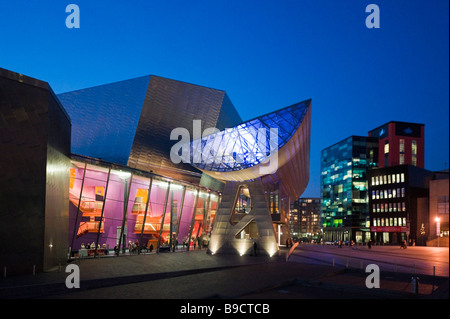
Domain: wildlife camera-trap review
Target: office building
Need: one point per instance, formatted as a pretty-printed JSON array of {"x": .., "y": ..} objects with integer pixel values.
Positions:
[
  {"x": 344, "y": 188},
  {"x": 400, "y": 143},
  {"x": 305, "y": 220},
  {"x": 399, "y": 204},
  {"x": 438, "y": 231}
]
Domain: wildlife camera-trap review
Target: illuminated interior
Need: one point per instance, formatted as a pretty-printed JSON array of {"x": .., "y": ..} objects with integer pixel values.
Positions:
[
  {"x": 151, "y": 209},
  {"x": 242, "y": 205}
]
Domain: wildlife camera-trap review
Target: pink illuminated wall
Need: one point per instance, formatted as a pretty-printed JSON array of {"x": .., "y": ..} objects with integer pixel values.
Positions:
[{"x": 85, "y": 214}]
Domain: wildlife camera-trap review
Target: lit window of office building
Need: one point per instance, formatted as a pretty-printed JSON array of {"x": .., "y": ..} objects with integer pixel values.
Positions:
[
  {"x": 402, "y": 142},
  {"x": 437, "y": 229},
  {"x": 344, "y": 188},
  {"x": 398, "y": 198},
  {"x": 305, "y": 220}
]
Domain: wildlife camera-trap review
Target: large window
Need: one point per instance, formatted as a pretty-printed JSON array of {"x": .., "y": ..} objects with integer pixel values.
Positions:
[
  {"x": 113, "y": 211},
  {"x": 443, "y": 205},
  {"x": 402, "y": 159},
  {"x": 402, "y": 145},
  {"x": 414, "y": 152}
]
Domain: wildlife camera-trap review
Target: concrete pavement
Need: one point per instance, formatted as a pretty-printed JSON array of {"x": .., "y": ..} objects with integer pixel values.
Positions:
[{"x": 197, "y": 275}]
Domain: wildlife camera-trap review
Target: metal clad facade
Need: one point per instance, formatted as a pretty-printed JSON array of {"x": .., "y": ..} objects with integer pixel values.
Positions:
[
  {"x": 34, "y": 163},
  {"x": 170, "y": 104},
  {"x": 105, "y": 118}
]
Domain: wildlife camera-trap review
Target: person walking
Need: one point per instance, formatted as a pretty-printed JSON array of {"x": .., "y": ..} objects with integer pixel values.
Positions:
[{"x": 255, "y": 246}]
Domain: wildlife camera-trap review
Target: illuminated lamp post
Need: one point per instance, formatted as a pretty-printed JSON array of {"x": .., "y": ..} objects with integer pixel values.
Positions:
[{"x": 438, "y": 228}]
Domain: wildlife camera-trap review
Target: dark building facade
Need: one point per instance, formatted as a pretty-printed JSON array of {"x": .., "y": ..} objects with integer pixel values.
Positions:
[
  {"x": 344, "y": 188},
  {"x": 397, "y": 195},
  {"x": 400, "y": 143},
  {"x": 437, "y": 230},
  {"x": 35, "y": 135}
]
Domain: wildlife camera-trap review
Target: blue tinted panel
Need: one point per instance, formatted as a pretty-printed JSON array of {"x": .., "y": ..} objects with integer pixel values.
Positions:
[
  {"x": 104, "y": 118},
  {"x": 249, "y": 143}
]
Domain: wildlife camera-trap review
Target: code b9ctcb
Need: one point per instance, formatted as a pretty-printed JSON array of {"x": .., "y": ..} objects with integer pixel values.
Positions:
[{"x": 247, "y": 308}]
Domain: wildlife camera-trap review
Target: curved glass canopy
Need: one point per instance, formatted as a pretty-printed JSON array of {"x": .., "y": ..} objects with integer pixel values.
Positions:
[{"x": 247, "y": 144}]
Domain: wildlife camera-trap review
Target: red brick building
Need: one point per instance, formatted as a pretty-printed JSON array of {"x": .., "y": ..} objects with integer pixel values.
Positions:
[{"x": 400, "y": 143}]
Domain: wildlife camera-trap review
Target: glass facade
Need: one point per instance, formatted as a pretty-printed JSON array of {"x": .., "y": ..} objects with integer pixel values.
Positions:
[
  {"x": 344, "y": 187},
  {"x": 250, "y": 143},
  {"x": 115, "y": 210}
]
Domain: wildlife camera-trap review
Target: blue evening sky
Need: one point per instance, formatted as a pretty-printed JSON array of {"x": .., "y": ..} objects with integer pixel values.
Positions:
[{"x": 265, "y": 54}]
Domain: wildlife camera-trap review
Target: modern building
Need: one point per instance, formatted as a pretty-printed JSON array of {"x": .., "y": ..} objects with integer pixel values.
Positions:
[
  {"x": 438, "y": 231},
  {"x": 92, "y": 172},
  {"x": 125, "y": 189},
  {"x": 305, "y": 220},
  {"x": 400, "y": 143},
  {"x": 402, "y": 150},
  {"x": 344, "y": 188},
  {"x": 398, "y": 204},
  {"x": 130, "y": 122},
  {"x": 264, "y": 163},
  {"x": 35, "y": 133}
]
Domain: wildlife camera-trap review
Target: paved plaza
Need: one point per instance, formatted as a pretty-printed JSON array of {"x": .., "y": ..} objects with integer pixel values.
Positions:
[{"x": 311, "y": 272}]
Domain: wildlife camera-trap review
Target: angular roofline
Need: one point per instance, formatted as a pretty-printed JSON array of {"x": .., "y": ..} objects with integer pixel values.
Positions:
[
  {"x": 189, "y": 83},
  {"x": 352, "y": 137},
  {"x": 144, "y": 76},
  {"x": 308, "y": 102},
  {"x": 396, "y": 122},
  {"x": 28, "y": 80},
  {"x": 100, "y": 85}
]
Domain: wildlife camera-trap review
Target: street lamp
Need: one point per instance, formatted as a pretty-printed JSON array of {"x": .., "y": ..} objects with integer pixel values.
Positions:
[{"x": 438, "y": 228}]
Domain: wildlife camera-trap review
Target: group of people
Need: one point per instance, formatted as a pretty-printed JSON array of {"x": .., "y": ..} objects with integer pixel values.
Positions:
[
  {"x": 91, "y": 246},
  {"x": 134, "y": 247},
  {"x": 289, "y": 242},
  {"x": 195, "y": 242}
]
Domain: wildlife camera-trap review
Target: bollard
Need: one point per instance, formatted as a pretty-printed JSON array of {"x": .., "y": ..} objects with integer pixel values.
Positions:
[
  {"x": 4, "y": 272},
  {"x": 434, "y": 278},
  {"x": 415, "y": 284},
  {"x": 34, "y": 270}
]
